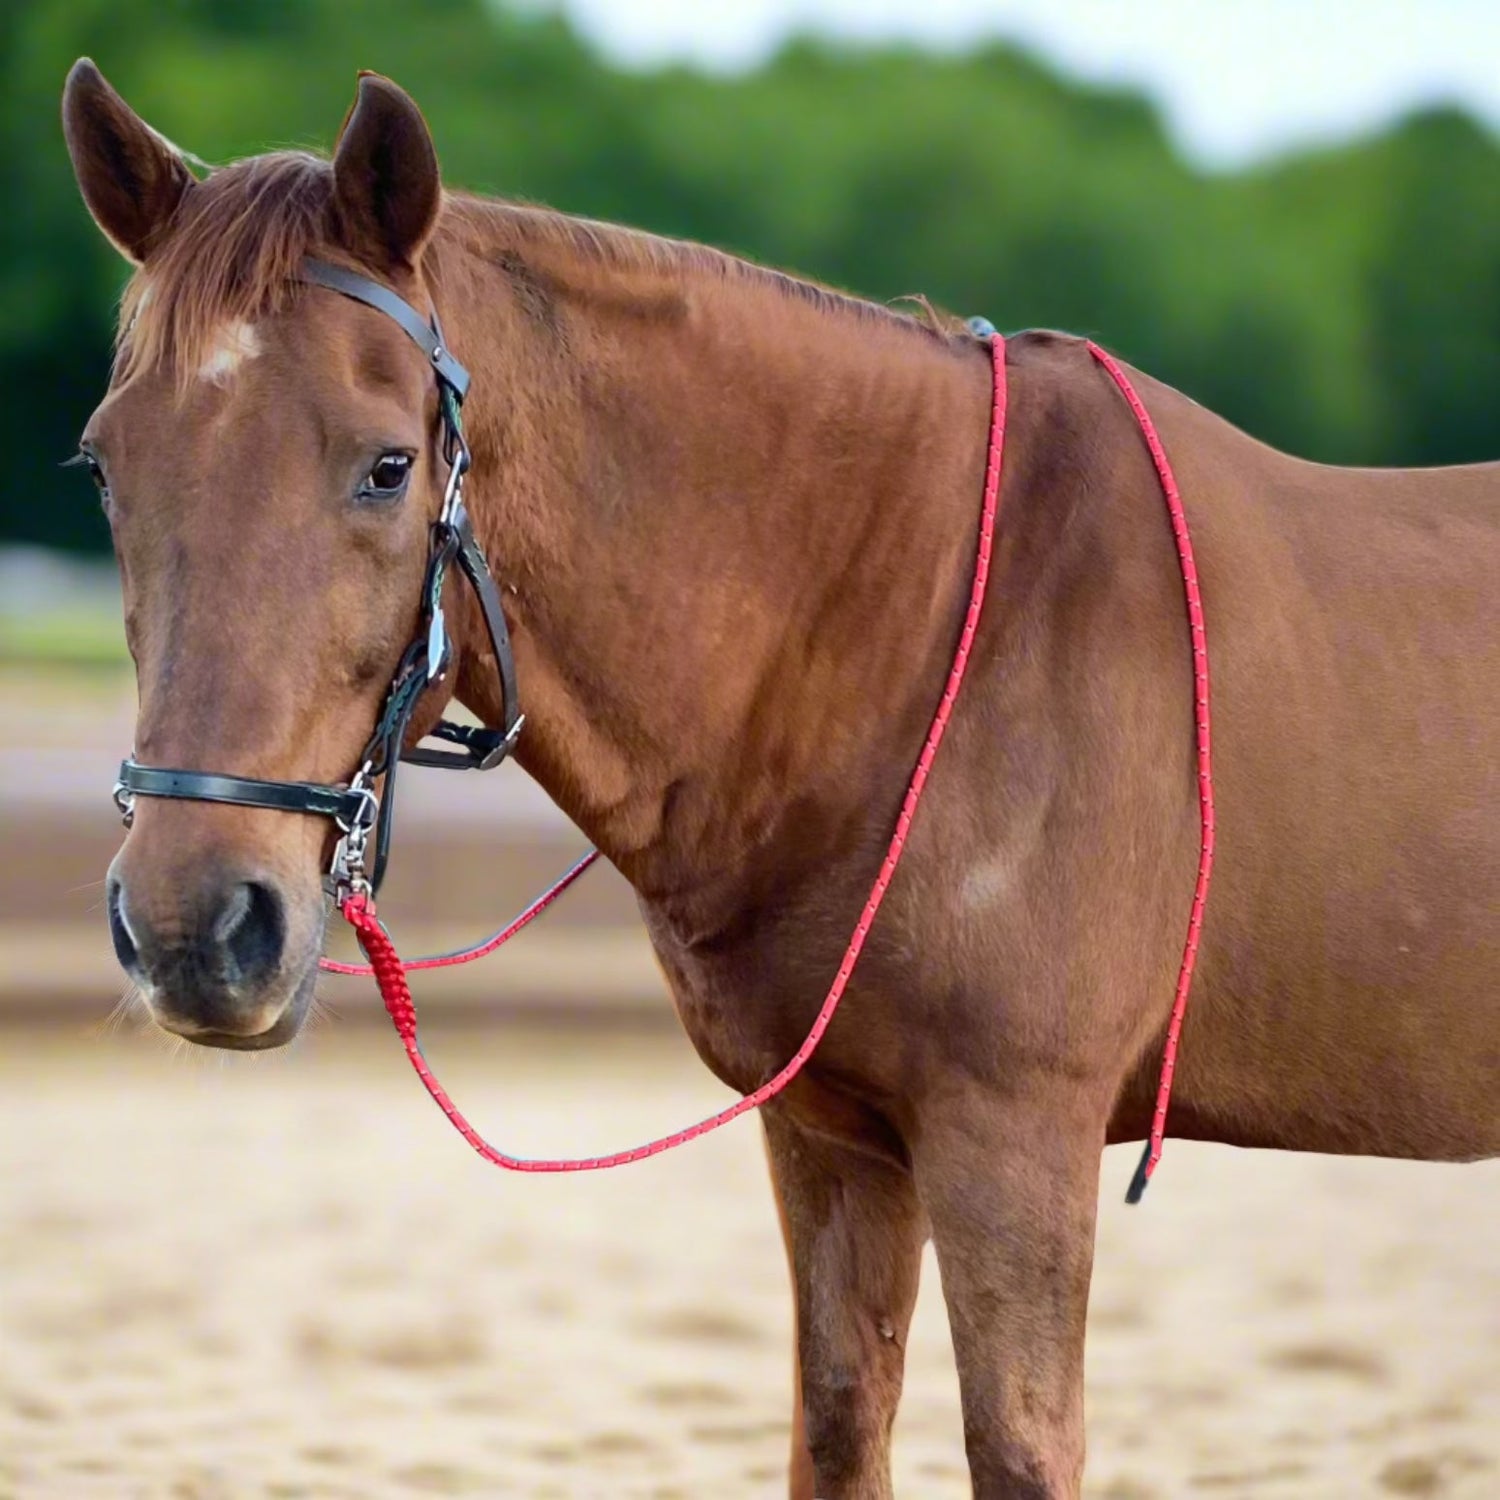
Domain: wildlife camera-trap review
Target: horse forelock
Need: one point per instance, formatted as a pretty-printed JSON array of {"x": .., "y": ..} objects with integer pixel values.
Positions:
[{"x": 231, "y": 258}]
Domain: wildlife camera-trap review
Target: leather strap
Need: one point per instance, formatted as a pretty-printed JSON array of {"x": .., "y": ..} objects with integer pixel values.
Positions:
[
  {"x": 340, "y": 803},
  {"x": 476, "y": 569},
  {"x": 482, "y": 748},
  {"x": 426, "y": 336}
]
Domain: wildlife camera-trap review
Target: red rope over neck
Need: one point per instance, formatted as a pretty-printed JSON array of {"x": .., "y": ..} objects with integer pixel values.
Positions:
[
  {"x": 1202, "y": 734},
  {"x": 390, "y": 973}
]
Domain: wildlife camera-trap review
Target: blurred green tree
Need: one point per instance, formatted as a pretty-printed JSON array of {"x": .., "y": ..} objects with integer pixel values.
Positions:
[{"x": 1342, "y": 304}]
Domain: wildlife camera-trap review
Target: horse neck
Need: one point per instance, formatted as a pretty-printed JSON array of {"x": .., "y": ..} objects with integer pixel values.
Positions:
[{"x": 734, "y": 522}]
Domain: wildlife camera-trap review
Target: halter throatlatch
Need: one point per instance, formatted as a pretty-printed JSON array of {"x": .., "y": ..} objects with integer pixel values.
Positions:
[{"x": 360, "y": 811}]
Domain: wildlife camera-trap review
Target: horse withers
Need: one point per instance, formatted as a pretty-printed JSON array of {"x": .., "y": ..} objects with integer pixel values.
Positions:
[{"x": 733, "y": 515}]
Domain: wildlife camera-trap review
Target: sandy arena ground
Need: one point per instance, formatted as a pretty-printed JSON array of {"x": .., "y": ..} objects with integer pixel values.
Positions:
[{"x": 287, "y": 1277}]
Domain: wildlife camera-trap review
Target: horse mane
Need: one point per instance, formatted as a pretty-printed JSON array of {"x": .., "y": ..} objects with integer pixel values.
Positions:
[
  {"x": 245, "y": 229},
  {"x": 618, "y": 247}
]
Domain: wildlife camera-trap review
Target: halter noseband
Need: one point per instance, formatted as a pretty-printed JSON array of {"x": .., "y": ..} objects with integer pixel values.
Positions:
[{"x": 356, "y": 807}]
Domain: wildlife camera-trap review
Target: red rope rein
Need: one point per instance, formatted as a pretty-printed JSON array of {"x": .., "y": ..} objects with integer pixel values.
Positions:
[
  {"x": 1203, "y": 738},
  {"x": 487, "y": 945},
  {"x": 390, "y": 972}
]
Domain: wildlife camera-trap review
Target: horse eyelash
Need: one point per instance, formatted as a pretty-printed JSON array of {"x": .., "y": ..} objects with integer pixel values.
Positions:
[{"x": 83, "y": 459}]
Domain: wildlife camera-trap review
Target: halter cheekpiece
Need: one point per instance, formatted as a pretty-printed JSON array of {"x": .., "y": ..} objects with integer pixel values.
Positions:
[{"x": 356, "y": 807}]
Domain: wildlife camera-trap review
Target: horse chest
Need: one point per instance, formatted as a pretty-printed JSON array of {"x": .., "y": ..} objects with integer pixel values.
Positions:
[
  {"x": 738, "y": 1003},
  {"x": 730, "y": 1036}
]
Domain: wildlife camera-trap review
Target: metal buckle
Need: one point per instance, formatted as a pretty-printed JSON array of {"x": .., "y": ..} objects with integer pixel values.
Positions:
[
  {"x": 453, "y": 499},
  {"x": 347, "y": 869},
  {"x": 504, "y": 748},
  {"x": 445, "y": 546},
  {"x": 125, "y": 801},
  {"x": 437, "y": 645},
  {"x": 453, "y": 490}
]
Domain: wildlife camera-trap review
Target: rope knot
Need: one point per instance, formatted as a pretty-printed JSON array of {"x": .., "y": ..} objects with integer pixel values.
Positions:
[{"x": 358, "y": 910}]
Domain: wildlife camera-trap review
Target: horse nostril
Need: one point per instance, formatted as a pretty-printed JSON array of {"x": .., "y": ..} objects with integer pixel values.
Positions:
[
  {"x": 119, "y": 929},
  {"x": 252, "y": 929}
]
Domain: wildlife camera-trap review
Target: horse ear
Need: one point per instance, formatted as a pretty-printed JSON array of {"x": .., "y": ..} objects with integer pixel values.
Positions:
[
  {"x": 387, "y": 187},
  {"x": 131, "y": 178}
]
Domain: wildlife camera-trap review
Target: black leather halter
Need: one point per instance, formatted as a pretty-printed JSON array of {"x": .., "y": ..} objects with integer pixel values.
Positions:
[{"x": 356, "y": 807}]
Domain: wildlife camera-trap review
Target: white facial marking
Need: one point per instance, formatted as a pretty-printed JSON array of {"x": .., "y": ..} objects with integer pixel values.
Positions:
[
  {"x": 141, "y": 303},
  {"x": 236, "y": 342}
]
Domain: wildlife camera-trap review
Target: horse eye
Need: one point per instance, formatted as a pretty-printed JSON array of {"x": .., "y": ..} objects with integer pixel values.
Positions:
[
  {"x": 387, "y": 477},
  {"x": 86, "y": 460}
]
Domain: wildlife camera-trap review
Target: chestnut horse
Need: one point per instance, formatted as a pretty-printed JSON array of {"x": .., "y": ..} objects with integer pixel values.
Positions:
[{"x": 733, "y": 514}]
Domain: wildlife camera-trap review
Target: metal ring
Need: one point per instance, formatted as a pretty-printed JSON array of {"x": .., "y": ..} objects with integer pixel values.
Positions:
[
  {"x": 125, "y": 801},
  {"x": 369, "y": 810}
]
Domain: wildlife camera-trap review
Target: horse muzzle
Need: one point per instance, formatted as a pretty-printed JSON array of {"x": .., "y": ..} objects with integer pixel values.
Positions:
[{"x": 215, "y": 958}]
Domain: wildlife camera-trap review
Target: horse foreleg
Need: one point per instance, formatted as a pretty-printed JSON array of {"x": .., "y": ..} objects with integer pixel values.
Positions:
[
  {"x": 800, "y": 1483},
  {"x": 854, "y": 1233},
  {"x": 1010, "y": 1184}
]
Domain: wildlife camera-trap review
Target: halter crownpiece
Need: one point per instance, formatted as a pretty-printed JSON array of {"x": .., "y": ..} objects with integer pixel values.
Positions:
[{"x": 357, "y": 809}]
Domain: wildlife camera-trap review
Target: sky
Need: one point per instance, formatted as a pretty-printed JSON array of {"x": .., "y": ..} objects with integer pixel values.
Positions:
[{"x": 1236, "y": 80}]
